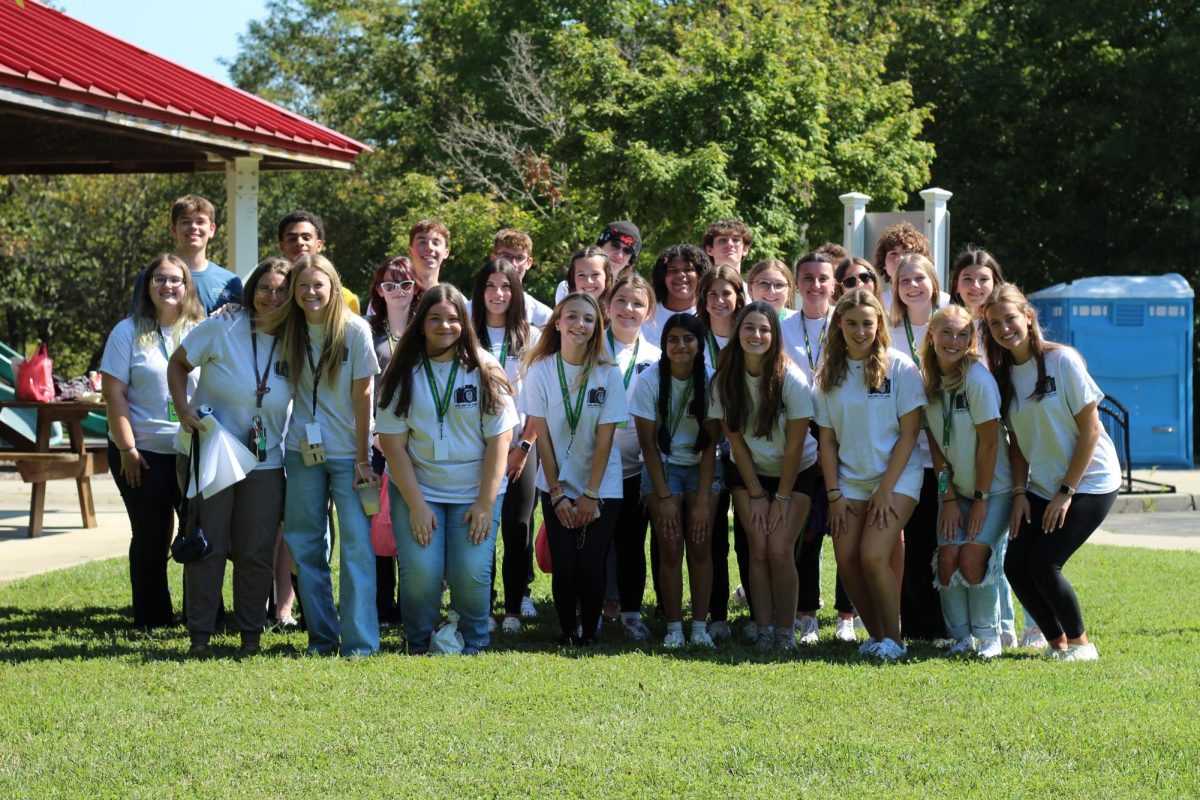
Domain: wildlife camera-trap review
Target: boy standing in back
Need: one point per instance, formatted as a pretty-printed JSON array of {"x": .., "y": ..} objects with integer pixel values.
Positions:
[{"x": 193, "y": 224}]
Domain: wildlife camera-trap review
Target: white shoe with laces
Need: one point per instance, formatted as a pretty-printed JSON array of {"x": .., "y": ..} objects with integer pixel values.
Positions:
[
  {"x": 890, "y": 650},
  {"x": 528, "y": 609},
  {"x": 808, "y": 630},
  {"x": 1008, "y": 638},
  {"x": 1080, "y": 652},
  {"x": 637, "y": 631},
  {"x": 844, "y": 632},
  {"x": 510, "y": 625},
  {"x": 1032, "y": 637},
  {"x": 673, "y": 640},
  {"x": 961, "y": 647},
  {"x": 701, "y": 639},
  {"x": 719, "y": 630},
  {"x": 989, "y": 648}
]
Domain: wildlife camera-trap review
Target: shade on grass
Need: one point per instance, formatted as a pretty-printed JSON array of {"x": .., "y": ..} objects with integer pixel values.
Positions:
[{"x": 88, "y": 708}]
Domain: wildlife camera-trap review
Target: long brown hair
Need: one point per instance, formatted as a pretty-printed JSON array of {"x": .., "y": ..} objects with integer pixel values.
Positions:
[
  {"x": 730, "y": 379},
  {"x": 1000, "y": 359},
  {"x": 833, "y": 369},
  {"x": 516, "y": 324}
]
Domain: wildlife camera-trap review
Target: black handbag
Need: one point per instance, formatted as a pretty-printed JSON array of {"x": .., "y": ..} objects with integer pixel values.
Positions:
[{"x": 190, "y": 543}]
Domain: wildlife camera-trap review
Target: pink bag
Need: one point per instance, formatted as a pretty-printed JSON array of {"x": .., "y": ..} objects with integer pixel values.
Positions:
[
  {"x": 35, "y": 381},
  {"x": 382, "y": 540},
  {"x": 541, "y": 550}
]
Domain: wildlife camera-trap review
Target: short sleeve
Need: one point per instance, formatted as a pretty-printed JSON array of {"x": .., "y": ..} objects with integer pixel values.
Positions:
[
  {"x": 983, "y": 395},
  {"x": 715, "y": 409},
  {"x": 910, "y": 389},
  {"x": 644, "y": 402},
  {"x": 1077, "y": 385},
  {"x": 821, "y": 409},
  {"x": 797, "y": 395},
  {"x": 118, "y": 351},
  {"x": 200, "y": 343},
  {"x": 234, "y": 289},
  {"x": 364, "y": 362},
  {"x": 505, "y": 420},
  {"x": 615, "y": 409},
  {"x": 386, "y": 421},
  {"x": 532, "y": 401}
]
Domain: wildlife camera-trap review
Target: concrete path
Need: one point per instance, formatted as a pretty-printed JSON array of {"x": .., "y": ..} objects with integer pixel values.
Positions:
[{"x": 1167, "y": 522}]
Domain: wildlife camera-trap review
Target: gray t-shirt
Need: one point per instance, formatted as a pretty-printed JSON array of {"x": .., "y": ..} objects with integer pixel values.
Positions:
[
  {"x": 975, "y": 402},
  {"x": 797, "y": 404},
  {"x": 142, "y": 366}
]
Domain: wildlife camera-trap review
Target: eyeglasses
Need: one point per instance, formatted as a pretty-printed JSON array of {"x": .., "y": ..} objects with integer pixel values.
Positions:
[
  {"x": 166, "y": 280},
  {"x": 770, "y": 286},
  {"x": 268, "y": 291},
  {"x": 402, "y": 286},
  {"x": 516, "y": 259},
  {"x": 626, "y": 249},
  {"x": 850, "y": 281}
]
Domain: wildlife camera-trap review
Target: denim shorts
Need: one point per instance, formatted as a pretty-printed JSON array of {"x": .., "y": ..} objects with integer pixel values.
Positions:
[
  {"x": 680, "y": 480},
  {"x": 995, "y": 524}
]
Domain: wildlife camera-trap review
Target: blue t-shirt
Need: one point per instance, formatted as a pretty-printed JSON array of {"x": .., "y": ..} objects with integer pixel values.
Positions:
[{"x": 216, "y": 286}]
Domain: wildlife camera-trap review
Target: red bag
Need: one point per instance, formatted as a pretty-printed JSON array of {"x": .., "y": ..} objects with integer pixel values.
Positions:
[
  {"x": 541, "y": 550},
  {"x": 35, "y": 381},
  {"x": 382, "y": 540}
]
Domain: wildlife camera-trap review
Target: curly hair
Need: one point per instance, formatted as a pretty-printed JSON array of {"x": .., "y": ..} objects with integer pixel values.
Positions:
[
  {"x": 901, "y": 235},
  {"x": 690, "y": 254}
]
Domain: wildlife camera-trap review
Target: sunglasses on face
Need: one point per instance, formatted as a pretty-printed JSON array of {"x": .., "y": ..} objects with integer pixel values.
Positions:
[
  {"x": 850, "y": 281},
  {"x": 402, "y": 286}
]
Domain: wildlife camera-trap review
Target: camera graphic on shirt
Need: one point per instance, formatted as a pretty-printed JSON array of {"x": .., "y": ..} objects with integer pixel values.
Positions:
[
  {"x": 466, "y": 395},
  {"x": 595, "y": 397},
  {"x": 960, "y": 403},
  {"x": 883, "y": 390},
  {"x": 1049, "y": 387}
]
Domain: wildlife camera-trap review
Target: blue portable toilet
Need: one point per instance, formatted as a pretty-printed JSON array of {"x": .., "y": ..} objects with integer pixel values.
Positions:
[{"x": 1135, "y": 331}]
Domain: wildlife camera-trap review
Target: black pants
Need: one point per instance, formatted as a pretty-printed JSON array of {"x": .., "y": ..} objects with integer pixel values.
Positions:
[
  {"x": 578, "y": 578},
  {"x": 920, "y": 605},
  {"x": 516, "y": 529},
  {"x": 1035, "y": 560},
  {"x": 153, "y": 508},
  {"x": 387, "y": 589},
  {"x": 629, "y": 542},
  {"x": 741, "y": 549},
  {"x": 718, "y": 603}
]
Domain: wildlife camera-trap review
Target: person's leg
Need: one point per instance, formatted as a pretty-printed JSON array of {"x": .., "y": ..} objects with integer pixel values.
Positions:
[
  {"x": 1018, "y": 561},
  {"x": 953, "y": 593},
  {"x": 516, "y": 516},
  {"x": 205, "y": 577},
  {"x": 920, "y": 609},
  {"x": 304, "y": 531},
  {"x": 356, "y": 583},
  {"x": 629, "y": 539},
  {"x": 808, "y": 572},
  {"x": 741, "y": 550},
  {"x": 422, "y": 568},
  {"x": 468, "y": 569},
  {"x": 847, "y": 550},
  {"x": 757, "y": 581},
  {"x": 386, "y": 590},
  {"x": 257, "y": 509},
  {"x": 781, "y": 562},
  {"x": 718, "y": 602},
  {"x": 981, "y": 568},
  {"x": 151, "y": 523},
  {"x": 589, "y": 566},
  {"x": 563, "y": 584},
  {"x": 670, "y": 568},
  {"x": 699, "y": 560},
  {"x": 880, "y": 578}
]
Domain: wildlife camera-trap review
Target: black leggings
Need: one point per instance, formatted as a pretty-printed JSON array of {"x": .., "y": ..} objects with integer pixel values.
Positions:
[
  {"x": 1035, "y": 560},
  {"x": 629, "y": 542},
  {"x": 718, "y": 603},
  {"x": 920, "y": 605},
  {"x": 516, "y": 529},
  {"x": 579, "y": 572}
]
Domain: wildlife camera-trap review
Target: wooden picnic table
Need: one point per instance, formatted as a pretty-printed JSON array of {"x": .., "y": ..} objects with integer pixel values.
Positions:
[{"x": 43, "y": 463}]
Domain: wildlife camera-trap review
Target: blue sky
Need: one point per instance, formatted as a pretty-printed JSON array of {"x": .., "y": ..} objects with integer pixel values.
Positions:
[{"x": 209, "y": 29}]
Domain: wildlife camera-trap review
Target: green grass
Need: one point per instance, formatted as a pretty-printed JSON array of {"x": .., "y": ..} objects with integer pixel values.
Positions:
[{"x": 90, "y": 709}]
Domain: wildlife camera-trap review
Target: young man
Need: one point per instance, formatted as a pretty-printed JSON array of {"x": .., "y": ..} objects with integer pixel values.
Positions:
[
  {"x": 516, "y": 247},
  {"x": 897, "y": 240},
  {"x": 193, "y": 224},
  {"x": 428, "y": 247},
  {"x": 727, "y": 241},
  {"x": 621, "y": 241},
  {"x": 303, "y": 233}
]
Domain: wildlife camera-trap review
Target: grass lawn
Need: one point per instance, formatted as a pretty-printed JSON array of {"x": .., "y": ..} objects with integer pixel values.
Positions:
[{"x": 91, "y": 709}]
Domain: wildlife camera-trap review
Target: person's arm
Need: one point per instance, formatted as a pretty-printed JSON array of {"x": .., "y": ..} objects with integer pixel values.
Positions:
[
  {"x": 588, "y": 508},
  {"x": 120, "y": 426},
  {"x": 177, "y": 379},
  {"x": 479, "y": 516},
  {"x": 827, "y": 456},
  {"x": 760, "y": 503},
  {"x": 517, "y": 455},
  {"x": 987, "y": 442},
  {"x": 1090, "y": 429},
  {"x": 564, "y": 509},
  {"x": 1020, "y": 473},
  {"x": 882, "y": 507},
  {"x": 400, "y": 467},
  {"x": 700, "y": 518},
  {"x": 793, "y": 452},
  {"x": 665, "y": 508},
  {"x": 360, "y": 399},
  {"x": 950, "y": 517}
]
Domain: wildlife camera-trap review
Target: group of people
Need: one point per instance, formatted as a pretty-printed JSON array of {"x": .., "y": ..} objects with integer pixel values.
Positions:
[{"x": 944, "y": 445}]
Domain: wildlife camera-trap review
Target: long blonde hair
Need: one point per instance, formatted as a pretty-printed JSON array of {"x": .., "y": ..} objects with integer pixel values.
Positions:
[
  {"x": 551, "y": 341},
  {"x": 935, "y": 381},
  {"x": 290, "y": 325},
  {"x": 899, "y": 311},
  {"x": 145, "y": 315},
  {"x": 833, "y": 369}
]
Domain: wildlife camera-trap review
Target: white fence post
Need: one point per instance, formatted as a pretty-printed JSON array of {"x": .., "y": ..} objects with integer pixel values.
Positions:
[
  {"x": 937, "y": 231},
  {"x": 855, "y": 216}
]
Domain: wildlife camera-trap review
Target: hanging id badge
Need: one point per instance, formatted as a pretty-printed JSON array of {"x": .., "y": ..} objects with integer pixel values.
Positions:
[
  {"x": 943, "y": 482},
  {"x": 171, "y": 415},
  {"x": 441, "y": 448},
  {"x": 311, "y": 447},
  {"x": 258, "y": 438}
]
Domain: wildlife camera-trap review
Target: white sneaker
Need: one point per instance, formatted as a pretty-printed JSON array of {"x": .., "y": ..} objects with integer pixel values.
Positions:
[
  {"x": 673, "y": 640},
  {"x": 702, "y": 639},
  {"x": 961, "y": 647},
  {"x": 1081, "y": 652},
  {"x": 738, "y": 598},
  {"x": 491, "y": 624},
  {"x": 890, "y": 650},
  {"x": 867, "y": 648},
  {"x": 1053, "y": 653},
  {"x": 1008, "y": 638},
  {"x": 1032, "y": 637},
  {"x": 750, "y": 632},
  {"x": 528, "y": 609},
  {"x": 844, "y": 632},
  {"x": 808, "y": 629},
  {"x": 989, "y": 648},
  {"x": 510, "y": 625},
  {"x": 859, "y": 625},
  {"x": 719, "y": 630},
  {"x": 637, "y": 631}
]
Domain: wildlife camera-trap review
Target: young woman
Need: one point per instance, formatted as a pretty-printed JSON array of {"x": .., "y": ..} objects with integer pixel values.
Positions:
[
  {"x": 574, "y": 399},
  {"x": 445, "y": 420},
  {"x": 1065, "y": 470},
  {"x": 395, "y": 295},
  {"x": 670, "y": 409},
  {"x": 631, "y": 301},
  {"x": 771, "y": 282},
  {"x": 676, "y": 276},
  {"x": 868, "y": 407},
  {"x": 962, "y": 421},
  {"x": 913, "y": 303},
  {"x": 248, "y": 398},
  {"x": 589, "y": 271},
  {"x": 722, "y": 297},
  {"x": 330, "y": 365},
  {"x": 766, "y": 404},
  {"x": 499, "y": 320},
  {"x": 855, "y": 273},
  {"x": 142, "y": 424}
]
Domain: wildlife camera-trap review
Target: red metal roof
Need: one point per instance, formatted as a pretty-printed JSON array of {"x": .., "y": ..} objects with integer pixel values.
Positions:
[{"x": 46, "y": 52}]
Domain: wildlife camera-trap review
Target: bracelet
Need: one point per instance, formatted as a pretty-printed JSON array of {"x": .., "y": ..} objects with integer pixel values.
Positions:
[
  {"x": 949, "y": 499},
  {"x": 664, "y": 499},
  {"x": 782, "y": 498},
  {"x": 557, "y": 488},
  {"x": 752, "y": 485},
  {"x": 554, "y": 501},
  {"x": 829, "y": 492},
  {"x": 591, "y": 495},
  {"x": 127, "y": 449},
  {"x": 762, "y": 496},
  {"x": 1018, "y": 491}
]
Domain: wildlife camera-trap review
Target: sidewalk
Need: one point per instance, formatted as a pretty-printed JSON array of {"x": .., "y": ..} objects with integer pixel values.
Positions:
[{"x": 1161, "y": 522}]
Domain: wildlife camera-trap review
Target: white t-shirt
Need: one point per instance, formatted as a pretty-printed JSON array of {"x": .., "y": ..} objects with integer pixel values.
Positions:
[
  {"x": 603, "y": 402},
  {"x": 537, "y": 312},
  {"x": 512, "y": 365},
  {"x": 900, "y": 342},
  {"x": 335, "y": 413},
  {"x": 977, "y": 401},
  {"x": 225, "y": 355},
  {"x": 1047, "y": 432},
  {"x": 466, "y": 428},
  {"x": 652, "y": 329},
  {"x": 797, "y": 404},
  {"x": 644, "y": 403},
  {"x": 943, "y": 299},
  {"x": 867, "y": 422},
  {"x": 800, "y": 349},
  {"x": 632, "y": 360},
  {"x": 143, "y": 368}
]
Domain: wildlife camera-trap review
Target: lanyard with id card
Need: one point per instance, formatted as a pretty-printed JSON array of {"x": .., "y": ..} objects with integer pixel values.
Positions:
[
  {"x": 258, "y": 429},
  {"x": 311, "y": 448},
  {"x": 441, "y": 404},
  {"x": 946, "y": 473}
]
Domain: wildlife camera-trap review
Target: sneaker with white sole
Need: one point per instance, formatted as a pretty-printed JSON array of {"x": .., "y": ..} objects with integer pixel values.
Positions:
[
  {"x": 989, "y": 647},
  {"x": 702, "y": 639},
  {"x": 673, "y": 640},
  {"x": 1032, "y": 637},
  {"x": 890, "y": 650},
  {"x": 859, "y": 625},
  {"x": 844, "y": 632},
  {"x": 1081, "y": 652},
  {"x": 808, "y": 629},
  {"x": 491, "y": 624},
  {"x": 510, "y": 625},
  {"x": 738, "y": 597},
  {"x": 867, "y": 648},
  {"x": 750, "y": 632},
  {"x": 1053, "y": 653},
  {"x": 1008, "y": 638},
  {"x": 785, "y": 639},
  {"x": 528, "y": 609},
  {"x": 961, "y": 647},
  {"x": 719, "y": 630},
  {"x": 765, "y": 639},
  {"x": 637, "y": 631}
]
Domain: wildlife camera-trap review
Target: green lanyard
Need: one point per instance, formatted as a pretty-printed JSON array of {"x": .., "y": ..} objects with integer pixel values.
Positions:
[
  {"x": 713, "y": 350},
  {"x": 820, "y": 340},
  {"x": 440, "y": 402},
  {"x": 612, "y": 345},
  {"x": 503, "y": 358},
  {"x": 677, "y": 416},
  {"x": 912, "y": 347},
  {"x": 573, "y": 415},
  {"x": 947, "y": 417}
]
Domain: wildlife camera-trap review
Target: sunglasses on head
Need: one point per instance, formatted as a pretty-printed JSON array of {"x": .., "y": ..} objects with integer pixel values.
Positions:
[
  {"x": 393, "y": 286},
  {"x": 850, "y": 281}
]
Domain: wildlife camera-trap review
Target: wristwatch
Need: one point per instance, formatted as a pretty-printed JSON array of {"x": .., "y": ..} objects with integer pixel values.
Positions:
[
  {"x": 978, "y": 495},
  {"x": 525, "y": 445},
  {"x": 1067, "y": 490}
]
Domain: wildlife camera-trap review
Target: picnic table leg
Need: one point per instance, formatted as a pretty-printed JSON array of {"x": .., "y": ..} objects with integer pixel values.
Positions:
[
  {"x": 37, "y": 505},
  {"x": 83, "y": 483}
]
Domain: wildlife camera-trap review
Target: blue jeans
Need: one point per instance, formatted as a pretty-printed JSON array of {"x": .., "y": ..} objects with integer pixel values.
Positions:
[
  {"x": 304, "y": 531},
  {"x": 974, "y": 609},
  {"x": 450, "y": 555}
]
